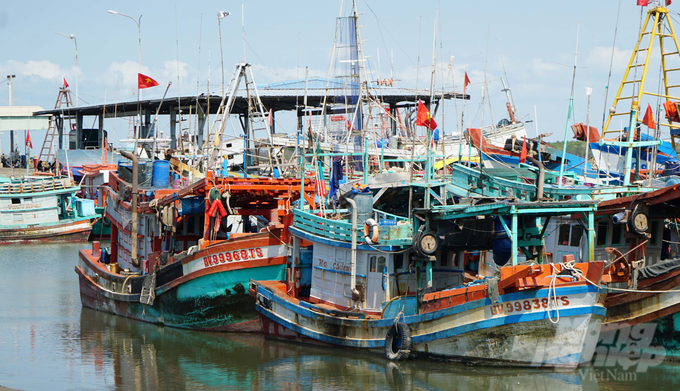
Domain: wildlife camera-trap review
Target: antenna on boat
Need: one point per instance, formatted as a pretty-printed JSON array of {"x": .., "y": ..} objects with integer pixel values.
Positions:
[
  {"x": 243, "y": 30},
  {"x": 571, "y": 106},
  {"x": 179, "y": 101}
]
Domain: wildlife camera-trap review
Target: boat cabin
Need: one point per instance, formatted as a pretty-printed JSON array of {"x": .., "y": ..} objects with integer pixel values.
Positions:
[{"x": 35, "y": 201}]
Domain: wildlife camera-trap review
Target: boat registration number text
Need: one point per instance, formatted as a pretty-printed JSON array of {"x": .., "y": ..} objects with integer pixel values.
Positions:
[
  {"x": 528, "y": 305},
  {"x": 230, "y": 256}
]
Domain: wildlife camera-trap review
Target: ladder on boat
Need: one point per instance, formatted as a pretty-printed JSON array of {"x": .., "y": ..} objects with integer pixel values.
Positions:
[
  {"x": 257, "y": 121},
  {"x": 632, "y": 89},
  {"x": 47, "y": 153}
]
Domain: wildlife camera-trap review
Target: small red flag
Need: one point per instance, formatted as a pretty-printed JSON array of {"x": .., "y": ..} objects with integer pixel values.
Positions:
[
  {"x": 29, "y": 143},
  {"x": 424, "y": 118},
  {"x": 466, "y": 82},
  {"x": 65, "y": 83},
  {"x": 643, "y": 3},
  {"x": 523, "y": 154},
  {"x": 648, "y": 119},
  {"x": 668, "y": 2},
  {"x": 144, "y": 81}
]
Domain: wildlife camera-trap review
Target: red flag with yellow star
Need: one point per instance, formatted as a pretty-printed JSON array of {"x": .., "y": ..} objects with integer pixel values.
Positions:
[
  {"x": 144, "y": 81},
  {"x": 424, "y": 118}
]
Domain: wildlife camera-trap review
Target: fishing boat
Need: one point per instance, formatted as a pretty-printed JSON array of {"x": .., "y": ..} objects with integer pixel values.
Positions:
[
  {"x": 183, "y": 257},
  {"x": 43, "y": 209},
  {"x": 404, "y": 289},
  {"x": 93, "y": 178}
]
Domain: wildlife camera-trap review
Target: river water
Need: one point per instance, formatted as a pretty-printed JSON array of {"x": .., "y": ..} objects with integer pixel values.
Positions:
[{"x": 49, "y": 342}]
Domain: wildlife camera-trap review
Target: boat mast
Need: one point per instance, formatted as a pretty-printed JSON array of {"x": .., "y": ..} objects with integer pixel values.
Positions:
[
  {"x": 571, "y": 106},
  {"x": 430, "y": 159}
]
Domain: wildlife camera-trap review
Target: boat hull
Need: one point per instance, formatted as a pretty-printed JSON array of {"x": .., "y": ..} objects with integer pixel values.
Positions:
[
  {"x": 659, "y": 313},
  {"x": 191, "y": 293},
  {"x": 71, "y": 231},
  {"x": 475, "y": 332}
]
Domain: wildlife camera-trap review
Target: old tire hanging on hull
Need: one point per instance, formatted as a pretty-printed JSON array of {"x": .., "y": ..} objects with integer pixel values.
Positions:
[{"x": 398, "y": 342}]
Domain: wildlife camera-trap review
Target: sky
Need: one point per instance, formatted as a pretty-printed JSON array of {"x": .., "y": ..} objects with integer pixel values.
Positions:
[{"x": 532, "y": 42}]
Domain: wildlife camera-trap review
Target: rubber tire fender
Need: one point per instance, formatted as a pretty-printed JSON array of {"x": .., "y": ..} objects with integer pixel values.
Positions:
[
  {"x": 398, "y": 342},
  {"x": 106, "y": 222}
]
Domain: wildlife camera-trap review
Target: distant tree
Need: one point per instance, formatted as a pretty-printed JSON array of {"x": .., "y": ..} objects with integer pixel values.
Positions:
[{"x": 577, "y": 148}]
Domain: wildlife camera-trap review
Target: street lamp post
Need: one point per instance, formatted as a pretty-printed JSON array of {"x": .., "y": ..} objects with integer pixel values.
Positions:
[
  {"x": 10, "y": 77},
  {"x": 139, "y": 32},
  {"x": 220, "y": 15},
  {"x": 139, "y": 92},
  {"x": 73, "y": 38}
]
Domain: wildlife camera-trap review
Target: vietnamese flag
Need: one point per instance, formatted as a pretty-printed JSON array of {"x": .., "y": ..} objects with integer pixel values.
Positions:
[
  {"x": 65, "y": 83},
  {"x": 643, "y": 3},
  {"x": 144, "y": 81},
  {"x": 466, "y": 82},
  {"x": 424, "y": 118},
  {"x": 648, "y": 119},
  {"x": 523, "y": 153},
  {"x": 29, "y": 143}
]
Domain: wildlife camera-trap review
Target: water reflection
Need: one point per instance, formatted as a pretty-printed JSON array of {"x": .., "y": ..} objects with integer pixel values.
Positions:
[{"x": 135, "y": 355}]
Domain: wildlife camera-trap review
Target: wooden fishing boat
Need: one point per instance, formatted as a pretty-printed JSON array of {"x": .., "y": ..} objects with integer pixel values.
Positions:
[
  {"x": 94, "y": 178},
  {"x": 43, "y": 209},
  {"x": 403, "y": 290},
  {"x": 183, "y": 258}
]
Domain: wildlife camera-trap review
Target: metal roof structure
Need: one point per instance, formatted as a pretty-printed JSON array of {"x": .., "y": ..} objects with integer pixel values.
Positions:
[
  {"x": 286, "y": 96},
  {"x": 22, "y": 118}
]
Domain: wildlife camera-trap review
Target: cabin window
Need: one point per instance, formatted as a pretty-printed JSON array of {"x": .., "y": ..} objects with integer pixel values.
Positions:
[
  {"x": 18, "y": 217},
  {"x": 564, "y": 235},
  {"x": 576, "y": 235},
  {"x": 654, "y": 231},
  {"x": 398, "y": 262},
  {"x": 371, "y": 263},
  {"x": 191, "y": 225},
  {"x": 602, "y": 233},
  {"x": 381, "y": 264},
  {"x": 16, "y": 201},
  {"x": 228, "y": 145},
  {"x": 616, "y": 235},
  {"x": 28, "y": 199},
  {"x": 443, "y": 261}
]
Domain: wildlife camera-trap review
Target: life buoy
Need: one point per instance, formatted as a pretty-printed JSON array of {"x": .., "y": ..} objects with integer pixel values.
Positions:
[
  {"x": 398, "y": 342},
  {"x": 371, "y": 237},
  {"x": 106, "y": 222}
]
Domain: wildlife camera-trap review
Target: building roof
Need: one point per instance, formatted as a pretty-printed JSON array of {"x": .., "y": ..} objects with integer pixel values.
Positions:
[{"x": 285, "y": 96}]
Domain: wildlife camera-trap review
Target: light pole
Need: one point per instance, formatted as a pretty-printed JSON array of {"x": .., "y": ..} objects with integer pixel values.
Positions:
[
  {"x": 139, "y": 31},
  {"x": 10, "y": 77},
  {"x": 139, "y": 92},
  {"x": 73, "y": 38},
  {"x": 220, "y": 15}
]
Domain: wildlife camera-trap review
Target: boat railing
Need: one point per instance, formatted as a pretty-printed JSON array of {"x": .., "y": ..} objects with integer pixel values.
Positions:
[
  {"x": 396, "y": 234},
  {"x": 379, "y": 215},
  {"x": 35, "y": 186}
]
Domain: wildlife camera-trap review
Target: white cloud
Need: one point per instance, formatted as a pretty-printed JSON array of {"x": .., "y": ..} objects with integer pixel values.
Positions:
[
  {"x": 602, "y": 56},
  {"x": 540, "y": 67},
  {"x": 43, "y": 69}
]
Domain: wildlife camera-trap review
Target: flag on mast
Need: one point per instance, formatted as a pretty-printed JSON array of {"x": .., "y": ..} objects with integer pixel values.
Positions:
[
  {"x": 648, "y": 119},
  {"x": 466, "y": 82},
  {"x": 424, "y": 118},
  {"x": 29, "y": 143},
  {"x": 144, "y": 81},
  {"x": 65, "y": 83}
]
